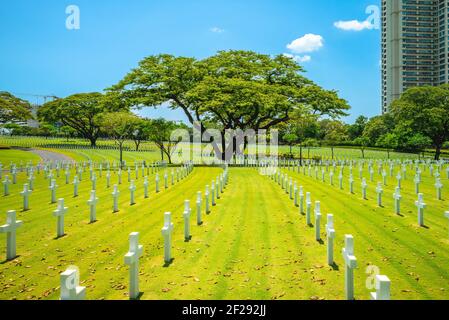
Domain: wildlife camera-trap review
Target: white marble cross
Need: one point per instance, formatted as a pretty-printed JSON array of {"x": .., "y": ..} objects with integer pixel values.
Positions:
[
  {"x": 421, "y": 206},
  {"x": 397, "y": 200},
  {"x": 26, "y": 197},
  {"x": 438, "y": 187},
  {"x": 108, "y": 179},
  {"x": 59, "y": 214},
  {"x": 75, "y": 186},
  {"x": 382, "y": 289},
  {"x": 199, "y": 220},
  {"x": 330, "y": 232},
  {"x": 157, "y": 182},
  {"x": 301, "y": 199},
  {"x": 92, "y": 203},
  {"x": 115, "y": 195},
  {"x": 295, "y": 192},
  {"x": 417, "y": 181},
  {"x": 308, "y": 208},
  {"x": 31, "y": 181},
  {"x": 351, "y": 184},
  {"x": 206, "y": 199},
  {"x": 129, "y": 174},
  {"x": 70, "y": 285},
  {"x": 67, "y": 177},
  {"x": 384, "y": 177},
  {"x": 119, "y": 176},
  {"x": 379, "y": 192},
  {"x": 364, "y": 187},
  {"x": 371, "y": 175},
  {"x": 331, "y": 178},
  {"x": 132, "y": 189},
  {"x": 14, "y": 176},
  {"x": 53, "y": 188},
  {"x": 317, "y": 220},
  {"x": 186, "y": 215},
  {"x": 10, "y": 228},
  {"x": 6, "y": 184},
  {"x": 94, "y": 182},
  {"x": 399, "y": 179},
  {"x": 340, "y": 180},
  {"x": 350, "y": 265},
  {"x": 145, "y": 187},
  {"x": 132, "y": 260},
  {"x": 212, "y": 193},
  {"x": 165, "y": 180},
  {"x": 167, "y": 234}
]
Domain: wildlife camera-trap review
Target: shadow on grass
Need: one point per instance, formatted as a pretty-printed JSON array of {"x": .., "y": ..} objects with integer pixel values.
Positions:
[
  {"x": 168, "y": 264},
  {"x": 138, "y": 297},
  {"x": 10, "y": 260},
  {"x": 335, "y": 267},
  {"x": 188, "y": 239}
]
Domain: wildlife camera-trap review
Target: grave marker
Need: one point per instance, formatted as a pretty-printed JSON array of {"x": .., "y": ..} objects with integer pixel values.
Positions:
[
  {"x": 132, "y": 260},
  {"x": 421, "y": 206},
  {"x": 382, "y": 289},
  {"x": 92, "y": 203},
  {"x": 69, "y": 284},
  {"x": 26, "y": 197},
  {"x": 59, "y": 214},
  {"x": 350, "y": 265},
  {"x": 330, "y": 232},
  {"x": 10, "y": 228},
  {"x": 167, "y": 234}
]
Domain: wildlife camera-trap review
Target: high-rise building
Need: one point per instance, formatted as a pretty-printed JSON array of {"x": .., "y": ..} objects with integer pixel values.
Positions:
[{"x": 415, "y": 39}]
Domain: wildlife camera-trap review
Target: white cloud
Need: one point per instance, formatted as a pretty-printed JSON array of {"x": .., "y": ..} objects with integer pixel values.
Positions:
[
  {"x": 308, "y": 43},
  {"x": 354, "y": 25},
  {"x": 217, "y": 30},
  {"x": 299, "y": 59}
]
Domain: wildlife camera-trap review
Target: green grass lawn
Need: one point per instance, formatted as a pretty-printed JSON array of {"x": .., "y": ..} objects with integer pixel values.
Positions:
[
  {"x": 17, "y": 156},
  {"x": 254, "y": 245}
]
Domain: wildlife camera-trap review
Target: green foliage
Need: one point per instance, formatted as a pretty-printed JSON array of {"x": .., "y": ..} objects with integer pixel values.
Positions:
[
  {"x": 424, "y": 111},
  {"x": 13, "y": 108},
  {"x": 79, "y": 112}
]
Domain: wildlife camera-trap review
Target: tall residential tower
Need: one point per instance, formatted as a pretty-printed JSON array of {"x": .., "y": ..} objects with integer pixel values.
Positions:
[{"x": 415, "y": 41}]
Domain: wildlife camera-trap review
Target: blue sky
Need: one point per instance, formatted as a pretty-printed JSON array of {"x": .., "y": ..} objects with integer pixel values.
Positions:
[{"x": 39, "y": 55}]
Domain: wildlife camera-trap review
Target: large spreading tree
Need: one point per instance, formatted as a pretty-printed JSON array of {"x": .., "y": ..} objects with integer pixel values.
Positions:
[
  {"x": 425, "y": 112},
  {"x": 233, "y": 89},
  {"x": 13, "y": 108},
  {"x": 79, "y": 112}
]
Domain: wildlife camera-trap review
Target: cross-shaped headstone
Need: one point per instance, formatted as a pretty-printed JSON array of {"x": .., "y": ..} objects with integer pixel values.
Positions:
[
  {"x": 53, "y": 188},
  {"x": 94, "y": 182},
  {"x": 308, "y": 208},
  {"x": 119, "y": 176},
  {"x": 340, "y": 180},
  {"x": 212, "y": 193},
  {"x": 421, "y": 206},
  {"x": 132, "y": 260},
  {"x": 382, "y": 289},
  {"x": 10, "y": 228},
  {"x": 167, "y": 234},
  {"x": 295, "y": 196},
  {"x": 92, "y": 203},
  {"x": 379, "y": 192},
  {"x": 350, "y": 265},
  {"x": 59, "y": 214},
  {"x": 417, "y": 181},
  {"x": 399, "y": 179},
  {"x": 351, "y": 184},
  {"x": 115, "y": 195},
  {"x": 70, "y": 285},
  {"x": 132, "y": 189},
  {"x": 108, "y": 179},
  {"x": 199, "y": 220},
  {"x": 330, "y": 232},
  {"x": 364, "y": 187},
  {"x": 6, "y": 184},
  {"x": 157, "y": 182},
  {"x": 301, "y": 199},
  {"x": 397, "y": 200},
  {"x": 384, "y": 177},
  {"x": 26, "y": 197},
  {"x": 186, "y": 215},
  {"x": 317, "y": 220},
  {"x": 438, "y": 187},
  {"x": 67, "y": 177},
  {"x": 165, "y": 180},
  {"x": 206, "y": 199}
]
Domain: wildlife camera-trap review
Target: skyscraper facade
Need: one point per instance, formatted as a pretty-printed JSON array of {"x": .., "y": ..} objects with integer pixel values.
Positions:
[{"x": 415, "y": 39}]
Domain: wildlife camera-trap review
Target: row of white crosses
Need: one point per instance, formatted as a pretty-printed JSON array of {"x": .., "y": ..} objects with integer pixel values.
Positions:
[
  {"x": 167, "y": 229},
  {"x": 382, "y": 282},
  {"x": 396, "y": 195}
]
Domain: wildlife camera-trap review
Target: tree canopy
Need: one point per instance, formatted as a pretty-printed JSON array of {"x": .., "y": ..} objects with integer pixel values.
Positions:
[
  {"x": 13, "y": 108},
  {"x": 79, "y": 111},
  {"x": 234, "y": 89}
]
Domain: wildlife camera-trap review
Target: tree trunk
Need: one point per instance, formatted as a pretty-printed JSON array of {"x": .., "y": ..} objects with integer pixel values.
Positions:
[
  {"x": 300, "y": 156},
  {"x": 332, "y": 149},
  {"x": 388, "y": 154},
  {"x": 291, "y": 152},
  {"x": 363, "y": 153},
  {"x": 137, "y": 143},
  {"x": 93, "y": 141},
  {"x": 162, "y": 152},
  {"x": 438, "y": 152}
]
